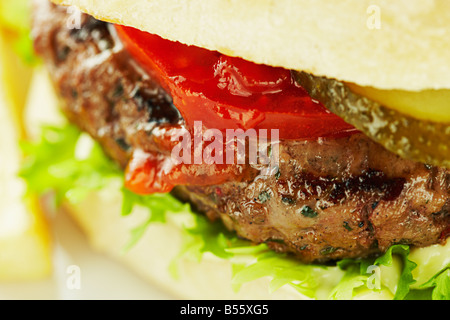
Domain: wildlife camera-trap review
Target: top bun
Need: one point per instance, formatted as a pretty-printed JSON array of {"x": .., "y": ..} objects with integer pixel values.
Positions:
[{"x": 387, "y": 44}]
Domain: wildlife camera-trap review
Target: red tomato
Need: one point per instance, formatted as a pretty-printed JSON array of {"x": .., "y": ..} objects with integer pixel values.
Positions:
[
  {"x": 231, "y": 93},
  {"x": 144, "y": 174},
  {"x": 149, "y": 173}
]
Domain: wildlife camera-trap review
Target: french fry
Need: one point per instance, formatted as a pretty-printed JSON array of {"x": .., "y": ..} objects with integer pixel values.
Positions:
[
  {"x": 25, "y": 244},
  {"x": 25, "y": 241},
  {"x": 16, "y": 80}
]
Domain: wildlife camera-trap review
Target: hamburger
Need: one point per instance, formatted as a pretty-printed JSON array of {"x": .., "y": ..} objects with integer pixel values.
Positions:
[{"x": 353, "y": 201}]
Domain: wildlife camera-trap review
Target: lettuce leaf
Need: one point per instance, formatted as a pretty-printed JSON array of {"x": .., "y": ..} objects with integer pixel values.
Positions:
[
  {"x": 406, "y": 277},
  {"x": 355, "y": 277},
  {"x": 440, "y": 284},
  {"x": 157, "y": 206},
  {"x": 279, "y": 268},
  {"x": 357, "y": 273},
  {"x": 69, "y": 164},
  {"x": 58, "y": 164},
  {"x": 351, "y": 281}
]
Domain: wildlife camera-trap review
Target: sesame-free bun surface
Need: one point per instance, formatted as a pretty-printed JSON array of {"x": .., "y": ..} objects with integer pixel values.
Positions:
[{"x": 388, "y": 44}]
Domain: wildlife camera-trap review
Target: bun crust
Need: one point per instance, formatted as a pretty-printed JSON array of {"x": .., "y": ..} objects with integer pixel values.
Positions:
[{"x": 380, "y": 43}]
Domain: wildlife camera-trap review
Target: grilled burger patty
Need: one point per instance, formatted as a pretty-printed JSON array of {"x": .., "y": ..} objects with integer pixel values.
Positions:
[{"x": 329, "y": 199}]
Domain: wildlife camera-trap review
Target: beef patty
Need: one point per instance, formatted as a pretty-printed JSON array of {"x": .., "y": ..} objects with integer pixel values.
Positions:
[{"x": 329, "y": 199}]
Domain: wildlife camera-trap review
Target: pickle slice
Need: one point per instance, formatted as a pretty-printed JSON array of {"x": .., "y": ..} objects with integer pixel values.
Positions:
[
  {"x": 433, "y": 105},
  {"x": 419, "y": 140}
]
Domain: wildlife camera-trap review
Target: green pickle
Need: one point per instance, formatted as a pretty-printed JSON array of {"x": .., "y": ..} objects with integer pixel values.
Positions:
[{"x": 420, "y": 140}]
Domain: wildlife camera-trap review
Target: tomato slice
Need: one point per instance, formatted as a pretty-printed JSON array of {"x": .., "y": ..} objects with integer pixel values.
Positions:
[
  {"x": 144, "y": 174},
  {"x": 149, "y": 173},
  {"x": 231, "y": 93}
]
